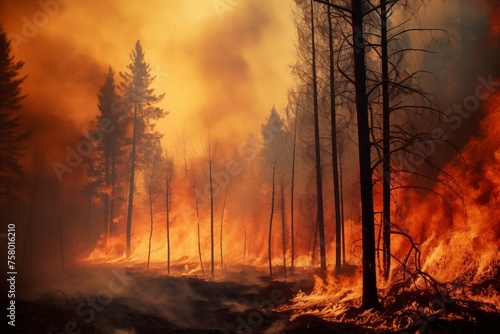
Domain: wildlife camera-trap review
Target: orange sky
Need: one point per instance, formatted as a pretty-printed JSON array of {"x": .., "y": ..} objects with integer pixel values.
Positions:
[{"x": 223, "y": 64}]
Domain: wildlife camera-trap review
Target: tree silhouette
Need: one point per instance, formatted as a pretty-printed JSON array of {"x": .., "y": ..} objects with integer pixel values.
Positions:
[
  {"x": 11, "y": 135},
  {"x": 141, "y": 99}
]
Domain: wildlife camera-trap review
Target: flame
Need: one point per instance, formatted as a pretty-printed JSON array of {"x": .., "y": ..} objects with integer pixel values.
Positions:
[
  {"x": 465, "y": 245},
  {"x": 458, "y": 239}
]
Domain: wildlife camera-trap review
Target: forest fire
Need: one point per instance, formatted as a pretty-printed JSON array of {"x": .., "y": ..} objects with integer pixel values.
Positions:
[
  {"x": 458, "y": 245},
  {"x": 301, "y": 166}
]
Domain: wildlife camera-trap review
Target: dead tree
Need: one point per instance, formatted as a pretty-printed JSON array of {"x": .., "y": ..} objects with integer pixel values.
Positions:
[
  {"x": 152, "y": 190},
  {"x": 269, "y": 242},
  {"x": 283, "y": 226},
  {"x": 333, "y": 128},
  {"x": 169, "y": 175},
  {"x": 317, "y": 148},
  {"x": 292, "y": 190},
  {"x": 222, "y": 229},
  {"x": 212, "y": 253},
  {"x": 191, "y": 177}
]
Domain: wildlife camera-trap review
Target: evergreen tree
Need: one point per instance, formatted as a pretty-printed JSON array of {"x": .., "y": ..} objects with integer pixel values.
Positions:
[
  {"x": 141, "y": 99},
  {"x": 11, "y": 135},
  {"x": 112, "y": 125}
]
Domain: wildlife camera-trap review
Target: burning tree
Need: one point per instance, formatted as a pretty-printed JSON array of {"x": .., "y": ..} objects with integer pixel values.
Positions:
[
  {"x": 275, "y": 160},
  {"x": 105, "y": 161},
  {"x": 168, "y": 174},
  {"x": 140, "y": 97}
]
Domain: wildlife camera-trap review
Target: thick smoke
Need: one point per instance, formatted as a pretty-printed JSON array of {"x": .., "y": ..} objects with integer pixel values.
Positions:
[{"x": 221, "y": 67}]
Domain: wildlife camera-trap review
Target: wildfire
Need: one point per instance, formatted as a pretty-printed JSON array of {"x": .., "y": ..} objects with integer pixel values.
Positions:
[
  {"x": 458, "y": 241},
  {"x": 468, "y": 249}
]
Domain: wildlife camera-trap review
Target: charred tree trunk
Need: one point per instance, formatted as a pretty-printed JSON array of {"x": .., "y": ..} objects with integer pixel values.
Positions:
[
  {"x": 167, "y": 207},
  {"x": 292, "y": 190},
  {"x": 370, "y": 296},
  {"x": 269, "y": 242},
  {"x": 212, "y": 255},
  {"x": 342, "y": 221},
  {"x": 221, "y": 228},
  {"x": 198, "y": 232},
  {"x": 131, "y": 184},
  {"x": 151, "y": 221},
  {"x": 283, "y": 226},
  {"x": 319, "y": 181},
  {"x": 333, "y": 128},
  {"x": 386, "y": 167}
]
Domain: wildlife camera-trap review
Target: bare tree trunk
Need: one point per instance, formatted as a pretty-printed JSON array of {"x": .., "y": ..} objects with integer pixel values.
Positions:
[
  {"x": 333, "y": 128},
  {"x": 192, "y": 181},
  {"x": 167, "y": 206},
  {"x": 319, "y": 181},
  {"x": 283, "y": 226},
  {"x": 221, "y": 228},
  {"x": 315, "y": 242},
  {"x": 292, "y": 190},
  {"x": 198, "y": 233},
  {"x": 212, "y": 254},
  {"x": 269, "y": 242},
  {"x": 370, "y": 296},
  {"x": 341, "y": 188},
  {"x": 131, "y": 184},
  {"x": 151, "y": 182},
  {"x": 386, "y": 167}
]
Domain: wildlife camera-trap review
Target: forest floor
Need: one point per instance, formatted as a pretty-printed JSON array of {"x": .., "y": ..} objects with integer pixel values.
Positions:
[{"x": 116, "y": 300}]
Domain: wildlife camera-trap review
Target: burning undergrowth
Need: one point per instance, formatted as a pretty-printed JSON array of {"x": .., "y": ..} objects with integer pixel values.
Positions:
[{"x": 448, "y": 274}]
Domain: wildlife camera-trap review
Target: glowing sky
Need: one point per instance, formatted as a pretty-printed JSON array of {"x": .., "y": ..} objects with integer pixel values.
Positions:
[{"x": 223, "y": 64}]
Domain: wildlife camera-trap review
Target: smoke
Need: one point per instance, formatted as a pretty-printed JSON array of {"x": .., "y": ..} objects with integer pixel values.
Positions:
[
  {"x": 220, "y": 70},
  {"x": 220, "y": 67}
]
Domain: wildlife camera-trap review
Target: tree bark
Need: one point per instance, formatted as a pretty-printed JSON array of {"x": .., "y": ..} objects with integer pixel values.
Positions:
[
  {"x": 221, "y": 228},
  {"x": 131, "y": 184},
  {"x": 370, "y": 297},
  {"x": 283, "y": 227},
  {"x": 269, "y": 241},
  {"x": 333, "y": 128},
  {"x": 319, "y": 181},
  {"x": 212, "y": 255},
  {"x": 151, "y": 180},
  {"x": 386, "y": 166},
  {"x": 342, "y": 220},
  {"x": 292, "y": 190},
  {"x": 167, "y": 206}
]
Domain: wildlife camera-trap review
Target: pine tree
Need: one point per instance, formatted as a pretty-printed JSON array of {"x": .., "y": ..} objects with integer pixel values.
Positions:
[
  {"x": 141, "y": 99},
  {"x": 11, "y": 135},
  {"x": 113, "y": 130}
]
